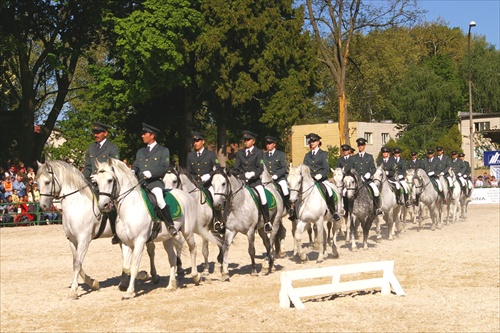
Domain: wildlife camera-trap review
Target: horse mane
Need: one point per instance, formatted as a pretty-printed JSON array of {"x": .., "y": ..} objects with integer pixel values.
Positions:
[
  {"x": 304, "y": 169},
  {"x": 122, "y": 167},
  {"x": 71, "y": 175},
  {"x": 184, "y": 171}
]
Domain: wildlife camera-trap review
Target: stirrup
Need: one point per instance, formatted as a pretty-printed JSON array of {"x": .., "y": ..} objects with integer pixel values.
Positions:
[
  {"x": 172, "y": 230},
  {"x": 218, "y": 227},
  {"x": 115, "y": 240},
  {"x": 378, "y": 211},
  {"x": 268, "y": 227},
  {"x": 336, "y": 216}
]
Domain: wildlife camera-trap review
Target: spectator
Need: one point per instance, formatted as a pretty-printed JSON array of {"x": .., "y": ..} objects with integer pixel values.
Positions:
[
  {"x": 29, "y": 193},
  {"x": 2, "y": 186},
  {"x": 36, "y": 193},
  {"x": 479, "y": 182},
  {"x": 11, "y": 210},
  {"x": 493, "y": 181},
  {"x": 31, "y": 173},
  {"x": 7, "y": 187},
  {"x": 52, "y": 215},
  {"x": 19, "y": 185},
  {"x": 25, "y": 215},
  {"x": 4, "y": 212},
  {"x": 2, "y": 173},
  {"x": 15, "y": 196},
  {"x": 11, "y": 173}
]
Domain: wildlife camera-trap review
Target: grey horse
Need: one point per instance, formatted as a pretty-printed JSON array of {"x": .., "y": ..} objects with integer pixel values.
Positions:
[{"x": 426, "y": 194}]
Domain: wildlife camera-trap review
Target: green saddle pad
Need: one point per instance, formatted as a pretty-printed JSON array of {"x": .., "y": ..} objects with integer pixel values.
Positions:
[
  {"x": 323, "y": 194},
  {"x": 172, "y": 203},
  {"x": 208, "y": 197},
  {"x": 434, "y": 183},
  {"x": 271, "y": 200}
]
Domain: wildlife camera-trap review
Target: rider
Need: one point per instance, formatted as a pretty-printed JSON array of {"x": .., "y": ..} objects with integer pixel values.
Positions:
[
  {"x": 249, "y": 162},
  {"x": 364, "y": 165},
  {"x": 275, "y": 161},
  {"x": 150, "y": 164},
  {"x": 431, "y": 166},
  {"x": 390, "y": 168},
  {"x": 467, "y": 174},
  {"x": 414, "y": 163},
  {"x": 458, "y": 167},
  {"x": 202, "y": 163},
  {"x": 101, "y": 150},
  {"x": 444, "y": 165},
  {"x": 317, "y": 161},
  {"x": 401, "y": 172},
  {"x": 343, "y": 160}
]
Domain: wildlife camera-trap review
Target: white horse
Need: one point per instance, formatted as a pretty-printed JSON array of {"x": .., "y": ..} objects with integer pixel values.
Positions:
[
  {"x": 311, "y": 209},
  {"x": 426, "y": 194},
  {"x": 454, "y": 197},
  {"x": 389, "y": 203},
  {"x": 82, "y": 220},
  {"x": 182, "y": 179},
  {"x": 119, "y": 188},
  {"x": 338, "y": 178},
  {"x": 242, "y": 216},
  {"x": 411, "y": 211}
]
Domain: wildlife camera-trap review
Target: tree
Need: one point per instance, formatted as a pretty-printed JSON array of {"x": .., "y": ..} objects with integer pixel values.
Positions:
[
  {"x": 336, "y": 22},
  {"x": 45, "y": 41}
]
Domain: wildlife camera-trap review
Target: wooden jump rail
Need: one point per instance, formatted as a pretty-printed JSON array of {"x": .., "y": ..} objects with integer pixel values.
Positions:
[{"x": 289, "y": 294}]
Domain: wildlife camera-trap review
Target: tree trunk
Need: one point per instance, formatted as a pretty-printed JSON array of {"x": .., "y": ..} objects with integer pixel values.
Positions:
[
  {"x": 343, "y": 119},
  {"x": 221, "y": 141}
]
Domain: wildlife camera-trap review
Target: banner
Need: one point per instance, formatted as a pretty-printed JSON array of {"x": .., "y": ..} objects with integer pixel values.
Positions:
[
  {"x": 492, "y": 157},
  {"x": 489, "y": 195}
]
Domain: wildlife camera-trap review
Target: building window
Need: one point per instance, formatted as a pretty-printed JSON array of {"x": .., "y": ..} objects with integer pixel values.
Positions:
[
  {"x": 306, "y": 141},
  {"x": 482, "y": 126},
  {"x": 369, "y": 138},
  {"x": 385, "y": 138}
]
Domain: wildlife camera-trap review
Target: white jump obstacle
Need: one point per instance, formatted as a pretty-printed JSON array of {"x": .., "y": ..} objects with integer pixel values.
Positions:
[{"x": 290, "y": 294}]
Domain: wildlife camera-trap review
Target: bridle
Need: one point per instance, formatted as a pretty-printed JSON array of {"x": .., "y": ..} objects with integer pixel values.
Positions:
[
  {"x": 115, "y": 190},
  {"x": 355, "y": 188},
  {"x": 303, "y": 194},
  {"x": 53, "y": 193}
]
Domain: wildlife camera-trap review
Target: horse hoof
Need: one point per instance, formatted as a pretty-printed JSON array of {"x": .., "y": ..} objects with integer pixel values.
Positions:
[
  {"x": 127, "y": 296},
  {"x": 316, "y": 246},
  {"x": 282, "y": 255},
  {"x": 142, "y": 276},
  {"x": 336, "y": 255},
  {"x": 122, "y": 287},
  {"x": 155, "y": 279},
  {"x": 265, "y": 264},
  {"x": 73, "y": 295},
  {"x": 354, "y": 249},
  {"x": 172, "y": 286},
  {"x": 196, "y": 278},
  {"x": 379, "y": 239},
  {"x": 225, "y": 277},
  {"x": 303, "y": 257},
  {"x": 254, "y": 273},
  {"x": 319, "y": 261},
  {"x": 94, "y": 285}
]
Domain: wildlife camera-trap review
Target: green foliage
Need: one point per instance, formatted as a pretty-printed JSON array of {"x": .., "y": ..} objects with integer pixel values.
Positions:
[{"x": 333, "y": 156}]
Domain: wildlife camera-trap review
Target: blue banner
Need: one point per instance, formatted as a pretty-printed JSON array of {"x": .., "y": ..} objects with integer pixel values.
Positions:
[{"x": 492, "y": 157}]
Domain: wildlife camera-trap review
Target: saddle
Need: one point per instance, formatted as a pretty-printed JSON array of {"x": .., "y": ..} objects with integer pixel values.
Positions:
[
  {"x": 434, "y": 183},
  {"x": 271, "y": 200},
  {"x": 172, "y": 203},
  {"x": 208, "y": 197},
  {"x": 324, "y": 192}
]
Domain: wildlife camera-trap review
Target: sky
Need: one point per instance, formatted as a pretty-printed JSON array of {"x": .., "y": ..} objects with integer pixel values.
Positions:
[{"x": 458, "y": 13}]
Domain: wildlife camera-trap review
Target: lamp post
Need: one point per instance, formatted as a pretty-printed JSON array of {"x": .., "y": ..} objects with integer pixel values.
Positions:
[{"x": 471, "y": 128}]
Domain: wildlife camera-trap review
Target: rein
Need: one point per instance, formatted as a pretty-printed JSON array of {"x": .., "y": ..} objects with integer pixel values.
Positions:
[
  {"x": 113, "y": 196},
  {"x": 53, "y": 187}
]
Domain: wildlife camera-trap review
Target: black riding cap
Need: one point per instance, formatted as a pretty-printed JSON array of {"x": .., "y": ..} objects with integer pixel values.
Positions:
[
  {"x": 150, "y": 129},
  {"x": 98, "y": 128},
  {"x": 248, "y": 135},
  {"x": 313, "y": 137}
]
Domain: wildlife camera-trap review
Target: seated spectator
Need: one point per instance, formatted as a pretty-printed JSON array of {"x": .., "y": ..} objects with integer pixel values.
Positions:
[
  {"x": 25, "y": 215},
  {"x": 2, "y": 186},
  {"x": 36, "y": 193},
  {"x": 29, "y": 193},
  {"x": 11, "y": 211},
  {"x": 19, "y": 185},
  {"x": 31, "y": 173},
  {"x": 493, "y": 181},
  {"x": 5, "y": 217},
  {"x": 479, "y": 182},
  {"x": 7, "y": 184},
  {"x": 15, "y": 197}
]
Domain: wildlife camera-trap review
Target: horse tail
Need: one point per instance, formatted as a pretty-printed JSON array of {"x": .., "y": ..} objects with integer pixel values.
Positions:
[{"x": 205, "y": 234}]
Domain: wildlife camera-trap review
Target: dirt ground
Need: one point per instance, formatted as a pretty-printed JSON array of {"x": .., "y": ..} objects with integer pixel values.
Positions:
[{"x": 450, "y": 277}]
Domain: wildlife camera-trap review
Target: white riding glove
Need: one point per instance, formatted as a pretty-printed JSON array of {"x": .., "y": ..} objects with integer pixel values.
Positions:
[
  {"x": 401, "y": 177},
  {"x": 249, "y": 175},
  {"x": 318, "y": 176},
  {"x": 387, "y": 173},
  {"x": 441, "y": 174},
  {"x": 367, "y": 175},
  {"x": 205, "y": 177},
  {"x": 92, "y": 179},
  {"x": 146, "y": 174},
  {"x": 431, "y": 173},
  {"x": 459, "y": 174},
  {"x": 274, "y": 177}
]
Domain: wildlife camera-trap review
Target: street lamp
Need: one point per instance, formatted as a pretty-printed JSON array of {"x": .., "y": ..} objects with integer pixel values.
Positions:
[{"x": 471, "y": 129}]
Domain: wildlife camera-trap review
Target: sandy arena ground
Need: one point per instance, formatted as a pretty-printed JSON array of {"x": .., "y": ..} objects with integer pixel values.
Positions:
[{"x": 450, "y": 277}]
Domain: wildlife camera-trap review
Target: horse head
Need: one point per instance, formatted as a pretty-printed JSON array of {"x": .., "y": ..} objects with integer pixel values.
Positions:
[
  {"x": 111, "y": 176},
  {"x": 379, "y": 176},
  {"x": 351, "y": 183},
  {"x": 171, "y": 178},
  {"x": 294, "y": 183},
  {"x": 222, "y": 186},
  {"x": 48, "y": 184},
  {"x": 338, "y": 176}
]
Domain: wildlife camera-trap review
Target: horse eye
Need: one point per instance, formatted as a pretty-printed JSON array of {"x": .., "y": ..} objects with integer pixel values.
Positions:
[
  {"x": 47, "y": 182},
  {"x": 110, "y": 181}
]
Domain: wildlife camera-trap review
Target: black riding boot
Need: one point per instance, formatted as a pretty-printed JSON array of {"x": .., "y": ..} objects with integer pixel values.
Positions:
[
  {"x": 376, "y": 202},
  {"x": 218, "y": 221},
  {"x": 112, "y": 223},
  {"x": 289, "y": 209},
  {"x": 407, "y": 201},
  {"x": 331, "y": 206},
  {"x": 398, "y": 197},
  {"x": 268, "y": 227},
  {"x": 167, "y": 218},
  {"x": 346, "y": 206}
]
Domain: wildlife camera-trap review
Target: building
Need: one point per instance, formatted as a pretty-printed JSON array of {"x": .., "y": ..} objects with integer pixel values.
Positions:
[
  {"x": 486, "y": 128},
  {"x": 376, "y": 134}
]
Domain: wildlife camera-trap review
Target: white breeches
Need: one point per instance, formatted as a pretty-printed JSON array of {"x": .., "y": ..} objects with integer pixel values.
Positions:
[
  {"x": 439, "y": 185},
  {"x": 450, "y": 181},
  {"x": 328, "y": 186},
  {"x": 284, "y": 187},
  {"x": 375, "y": 189},
  {"x": 470, "y": 184},
  {"x": 159, "y": 197},
  {"x": 405, "y": 186},
  {"x": 262, "y": 194},
  {"x": 395, "y": 183},
  {"x": 462, "y": 181}
]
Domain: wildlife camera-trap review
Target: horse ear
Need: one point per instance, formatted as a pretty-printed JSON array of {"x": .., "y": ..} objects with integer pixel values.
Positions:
[{"x": 39, "y": 164}]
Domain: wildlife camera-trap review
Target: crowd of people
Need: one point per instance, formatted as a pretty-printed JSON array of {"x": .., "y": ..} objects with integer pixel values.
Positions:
[{"x": 19, "y": 195}]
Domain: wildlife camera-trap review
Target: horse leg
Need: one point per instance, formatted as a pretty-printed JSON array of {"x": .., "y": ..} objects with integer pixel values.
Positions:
[
  {"x": 269, "y": 260},
  {"x": 366, "y": 230},
  {"x": 79, "y": 250},
  {"x": 228, "y": 239},
  {"x": 335, "y": 230},
  {"x": 127, "y": 259},
  {"x": 204, "y": 251},
  {"x": 378, "y": 228},
  {"x": 251, "y": 250},
  {"x": 354, "y": 226},
  {"x": 321, "y": 239},
  {"x": 329, "y": 226},
  {"x": 172, "y": 260},
  {"x": 134, "y": 269},
  {"x": 150, "y": 248},
  {"x": 192, "y": 251},
  {"x": 390, "y": 225},
  {"x": 298, "y": 240}
]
